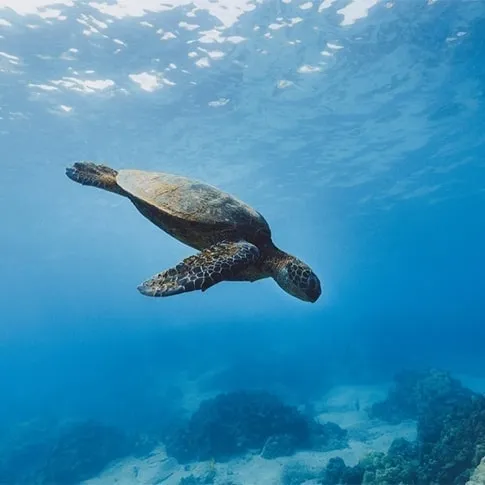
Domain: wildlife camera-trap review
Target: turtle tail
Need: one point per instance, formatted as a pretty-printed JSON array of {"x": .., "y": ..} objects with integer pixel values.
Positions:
[{"x": 88, "y": 173}]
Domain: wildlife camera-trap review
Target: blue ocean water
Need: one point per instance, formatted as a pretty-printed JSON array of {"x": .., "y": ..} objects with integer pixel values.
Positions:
[{"x": 354, "y": 126}]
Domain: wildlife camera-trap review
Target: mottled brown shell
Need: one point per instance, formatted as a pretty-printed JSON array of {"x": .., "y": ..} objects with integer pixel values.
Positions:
[{"x": 189, "y": 199}]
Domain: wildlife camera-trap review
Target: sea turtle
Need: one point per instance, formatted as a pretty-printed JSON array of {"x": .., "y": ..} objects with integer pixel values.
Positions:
[{"x": 233, "y": 240}]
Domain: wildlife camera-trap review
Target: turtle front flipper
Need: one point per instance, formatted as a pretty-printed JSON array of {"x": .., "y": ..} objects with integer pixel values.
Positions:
[{"x": 221, "y": 262}]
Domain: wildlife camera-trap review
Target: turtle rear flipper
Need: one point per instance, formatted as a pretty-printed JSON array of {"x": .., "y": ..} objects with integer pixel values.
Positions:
[
  {"x": 221, "y": 262},
  {"x": 101, "y": 176}
]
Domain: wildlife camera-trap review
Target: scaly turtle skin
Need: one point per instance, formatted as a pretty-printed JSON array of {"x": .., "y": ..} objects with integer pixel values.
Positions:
[{"x": 233, "y": 240}]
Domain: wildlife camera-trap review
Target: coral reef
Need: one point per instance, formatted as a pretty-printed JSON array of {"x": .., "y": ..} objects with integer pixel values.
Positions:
[
  {"x": 398, "y": 466},
  {"x": 327, "y": 436},
  {"x": 451, "y": 434},
  {"x": 451, "y": 423},
  {"x": 452, "y": 444},
  {"x": 415, "y": 392},
  {"x": 233, "y": 423},
  {"x": 278, "y": 445},
  {"x": 63, "y": 455},
  {"x": 323, "y": 437},
  {"x": 334, "y": 471},
  {"x": 82, "y": 451},
  {"x": 238, "y": 422},
  {"x": 353, "y": 476}
]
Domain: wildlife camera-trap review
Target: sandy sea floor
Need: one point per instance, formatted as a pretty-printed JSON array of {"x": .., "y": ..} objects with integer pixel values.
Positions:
[{"x": 338, "y": 406}]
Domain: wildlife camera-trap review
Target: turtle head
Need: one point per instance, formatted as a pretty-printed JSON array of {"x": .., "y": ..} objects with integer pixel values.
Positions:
[{"x": 296, "y": 277}]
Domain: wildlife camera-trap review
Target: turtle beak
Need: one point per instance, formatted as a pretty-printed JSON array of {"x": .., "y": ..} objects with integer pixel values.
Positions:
[{"x": 314, "y": 289}]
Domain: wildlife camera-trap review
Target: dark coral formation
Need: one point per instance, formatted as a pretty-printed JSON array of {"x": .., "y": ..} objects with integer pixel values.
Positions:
[
  {"x": 328, "y": 436},
  {"x": 74, "y": 453},
  {"x": 416, "y": 393},
  {"x": 82, "y": 451},
  {"x": 398, "y": 466},
  {"x": 238, "y": 422},
  {"x": 452, "y": 444},
  {"x": 278, "y": 445},
  {"x": 451, "y": 434},
  {"x": 334, "y": 472}
]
